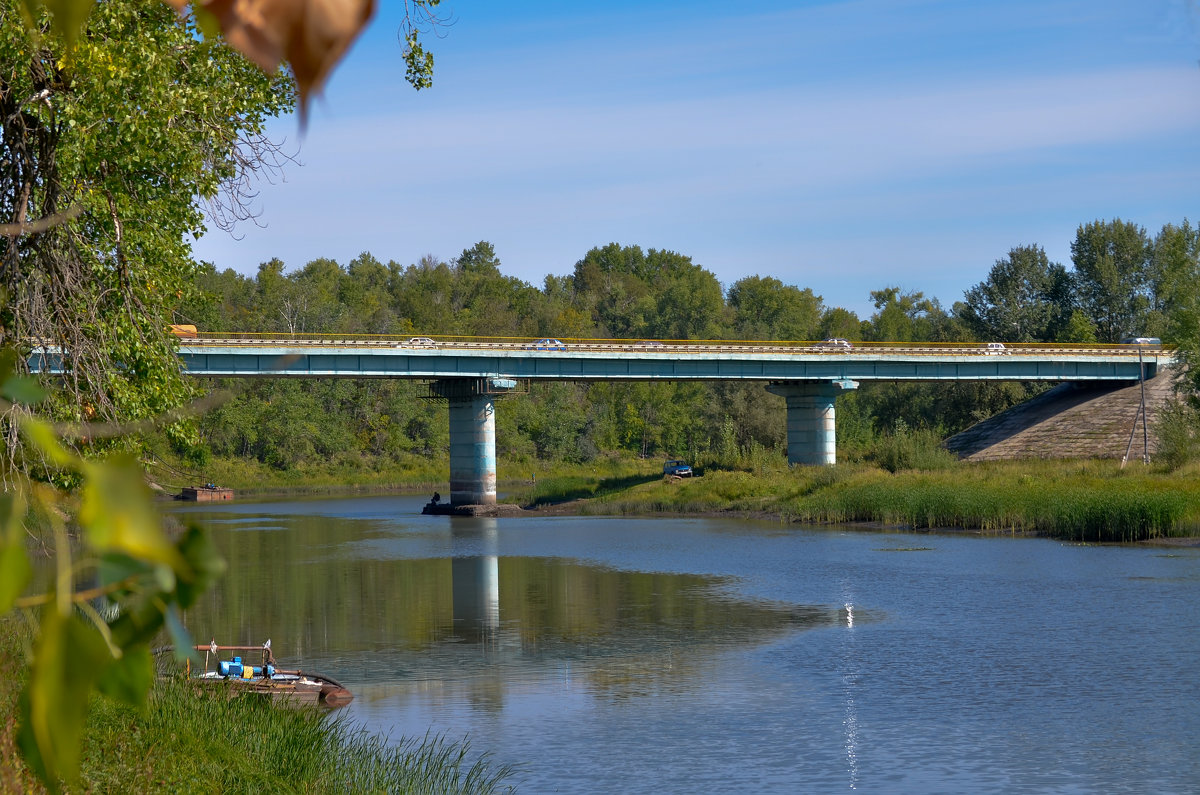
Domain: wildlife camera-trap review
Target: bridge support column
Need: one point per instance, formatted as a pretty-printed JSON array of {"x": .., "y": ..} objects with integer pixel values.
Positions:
[
  {"x": 472, "y": 437},
  {"x": 811, "y": 437}
]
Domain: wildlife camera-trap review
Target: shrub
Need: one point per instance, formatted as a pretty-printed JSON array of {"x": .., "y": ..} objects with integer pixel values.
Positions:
[
  {"x": 1178, "y": 432},
  {"x": 906, "y": 448}
]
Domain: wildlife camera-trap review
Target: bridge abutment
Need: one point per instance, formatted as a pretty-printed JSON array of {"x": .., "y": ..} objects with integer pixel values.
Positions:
[
  {"x": 811, "y": 426},
  {"x": 472, "y": 436}
]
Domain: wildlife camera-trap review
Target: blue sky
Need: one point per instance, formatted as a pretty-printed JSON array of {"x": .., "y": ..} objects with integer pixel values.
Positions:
[{"x": 844, "y": 146}]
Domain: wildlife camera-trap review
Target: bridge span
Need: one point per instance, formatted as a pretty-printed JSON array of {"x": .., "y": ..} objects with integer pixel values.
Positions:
[{"x": 470, "y": 373}]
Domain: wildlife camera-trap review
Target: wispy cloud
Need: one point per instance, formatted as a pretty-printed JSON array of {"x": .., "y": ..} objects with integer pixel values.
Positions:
[{"x": 848, "y": 134}]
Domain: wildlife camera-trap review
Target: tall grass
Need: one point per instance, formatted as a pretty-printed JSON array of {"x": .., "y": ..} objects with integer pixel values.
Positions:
[
  {"x": 188, "y": 742},
  {"x": 1073, "y": 500}
]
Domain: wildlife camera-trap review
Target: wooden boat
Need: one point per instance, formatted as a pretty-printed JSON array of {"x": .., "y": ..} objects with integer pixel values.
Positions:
[{"x": 239, "y": 676}]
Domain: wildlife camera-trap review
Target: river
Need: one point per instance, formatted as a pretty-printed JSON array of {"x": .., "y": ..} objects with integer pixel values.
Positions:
[{"x": 717, "y": 655}]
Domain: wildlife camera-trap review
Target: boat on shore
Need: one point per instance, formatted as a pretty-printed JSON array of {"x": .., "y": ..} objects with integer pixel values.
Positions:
[{"x": 253, "y": 670}]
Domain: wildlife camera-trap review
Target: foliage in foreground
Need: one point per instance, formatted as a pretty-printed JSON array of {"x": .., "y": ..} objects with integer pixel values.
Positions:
[
  {"x": 184, "y": 743},
  {"x": 1092, "y": 501}
]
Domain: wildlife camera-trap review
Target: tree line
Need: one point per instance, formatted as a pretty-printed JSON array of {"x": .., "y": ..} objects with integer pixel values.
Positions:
[{"x": 1120, "y": 281}]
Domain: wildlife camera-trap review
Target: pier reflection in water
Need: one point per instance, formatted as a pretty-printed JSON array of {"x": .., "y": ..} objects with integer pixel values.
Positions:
[{"x": 685, "y": 655}]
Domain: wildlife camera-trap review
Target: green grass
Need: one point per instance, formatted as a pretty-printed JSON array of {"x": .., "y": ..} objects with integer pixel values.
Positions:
[
  {"x": 1074, "y": 500},
  {"x": 184, "y": 742}
]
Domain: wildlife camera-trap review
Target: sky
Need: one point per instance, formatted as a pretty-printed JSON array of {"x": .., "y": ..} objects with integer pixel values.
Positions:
[{"x": 841, "y": 145}]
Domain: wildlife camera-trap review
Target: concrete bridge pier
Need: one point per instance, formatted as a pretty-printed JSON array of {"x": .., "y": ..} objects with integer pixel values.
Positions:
[
  {"x": 472, "y": 436},
  {"x": 811, "y": 438}
]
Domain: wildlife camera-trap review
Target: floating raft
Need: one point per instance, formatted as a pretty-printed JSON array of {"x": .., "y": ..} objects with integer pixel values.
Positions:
[{"x": 206, "y": 494}]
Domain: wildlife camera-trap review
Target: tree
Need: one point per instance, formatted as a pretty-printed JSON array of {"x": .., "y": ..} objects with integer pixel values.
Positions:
[
  {"x": 1174, "y": 274},
  {"x": 103, "y": 283},
  {"x": 908, "y": 317},
  {"x": 1175, "y": 296},
  {"x": 1112, "y": 277},
  {"x": 110, "y": 143},
  {"x": 764, "y": 308},
  {"x": 1025, "y": 298},
  {"x": 841, "y": 323}
]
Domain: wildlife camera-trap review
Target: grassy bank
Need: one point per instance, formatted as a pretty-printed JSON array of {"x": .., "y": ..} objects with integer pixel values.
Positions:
[
  {"x": 1075, "y": 500},
  {"x": 411, "y": 475},
  {"x": 185, "y": 743},
  {"x": 1084, "y": 500}
]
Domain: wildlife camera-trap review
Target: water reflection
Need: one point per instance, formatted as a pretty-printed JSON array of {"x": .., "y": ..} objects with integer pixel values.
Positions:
[
  {"x": 476, "y": 580},
  {"x": 624, "y": 655},
  {"x": 342, "y": 595}
]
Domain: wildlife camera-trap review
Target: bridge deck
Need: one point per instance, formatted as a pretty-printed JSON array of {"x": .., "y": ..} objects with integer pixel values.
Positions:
[{"x": 342, "y": 357}]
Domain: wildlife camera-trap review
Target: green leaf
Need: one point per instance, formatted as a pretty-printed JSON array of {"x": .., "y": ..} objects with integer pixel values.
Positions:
[
  {"x": 116, "y": 515},
  {"x": 205, "y": 561},
  {"x": 8, "y": 362},
  {"x": 23, "y": 389},
  {"x": 181, "y": 639},
  {"x": 14, "y": 573},
  {"x": 129, "y": 679},
  {"x": 69, "y": 657},
  {"x": 41, "y": 436},
  {"x": 69, "y": 17},
  {"x": 15, "y": 568},
  {"x": 116, "y": 566}
]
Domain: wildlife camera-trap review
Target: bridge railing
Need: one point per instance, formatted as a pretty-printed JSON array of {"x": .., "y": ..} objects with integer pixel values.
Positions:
[{"x": 646, "y": 346}]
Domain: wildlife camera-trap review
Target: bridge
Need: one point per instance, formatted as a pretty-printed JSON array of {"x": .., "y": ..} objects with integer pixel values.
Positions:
[{"x": 470, "y": 373}]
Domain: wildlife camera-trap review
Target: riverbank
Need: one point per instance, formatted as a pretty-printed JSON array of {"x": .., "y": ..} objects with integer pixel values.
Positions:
[
  {"x": 1079, "y": 500},
  {"x": 1087, "y": 501},
  {"x": 185, "y": 743}
]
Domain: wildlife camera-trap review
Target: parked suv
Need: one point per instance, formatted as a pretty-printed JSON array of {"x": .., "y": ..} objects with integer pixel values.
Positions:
[{"x": 678, "y": 468}]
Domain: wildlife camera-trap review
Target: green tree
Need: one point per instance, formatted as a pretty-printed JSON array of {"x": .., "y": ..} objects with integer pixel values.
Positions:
[
  {"x": 908, "y": 317},
  {"x": 114, "y": 144},
  {"x": 841, "y": 323},
  {"x": 124, "y": 178},
  {"x": 764, "y": 308},
  {"x": 1025, "y": 298},
  {"x": 1174, "y": 273},
  {"x": 1112, "y": 278}
]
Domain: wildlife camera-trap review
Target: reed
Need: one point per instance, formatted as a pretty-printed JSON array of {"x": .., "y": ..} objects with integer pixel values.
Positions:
[{"x": 1093, "y": 501}]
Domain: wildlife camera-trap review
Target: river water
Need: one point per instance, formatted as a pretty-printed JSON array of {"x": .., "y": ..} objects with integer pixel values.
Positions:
[{"x": 717, "y": 655}]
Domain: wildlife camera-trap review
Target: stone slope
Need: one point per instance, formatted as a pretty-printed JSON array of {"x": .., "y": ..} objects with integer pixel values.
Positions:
[{"x": 1073, "y": 420}]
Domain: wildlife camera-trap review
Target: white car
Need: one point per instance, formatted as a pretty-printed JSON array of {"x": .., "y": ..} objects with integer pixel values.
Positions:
[
  {"x": 835, "y": 342},
  {"x": 421, "y": 342},
  {"x": 546, "y": 344},
  {"x": 994, "y": 349}
]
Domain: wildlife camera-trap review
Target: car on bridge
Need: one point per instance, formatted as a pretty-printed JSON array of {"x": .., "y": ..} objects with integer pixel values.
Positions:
[
  {"x": 994, "y": 349},
  {"x": 1141, "y": 341},
  {"x": 546, "y": 344},
  {"x": 678, "y": 468},
  {"x": 835, "y": 343},
  {"x": 421, "y": 342}
]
